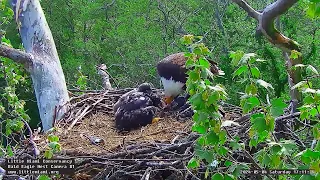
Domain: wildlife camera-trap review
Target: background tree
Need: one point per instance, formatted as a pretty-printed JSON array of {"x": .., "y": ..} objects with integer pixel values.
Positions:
[{"x": 40, "y": 60}]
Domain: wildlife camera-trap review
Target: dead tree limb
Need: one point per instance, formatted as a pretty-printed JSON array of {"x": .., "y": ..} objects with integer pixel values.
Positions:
[
  {"x": 15, "y": 54},
  {"x": 266, "y": 22},
  {"x": 266, "y": 25}
]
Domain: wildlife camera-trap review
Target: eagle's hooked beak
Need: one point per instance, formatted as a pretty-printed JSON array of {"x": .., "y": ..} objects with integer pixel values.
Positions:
[{"x": 168, "y": 99}]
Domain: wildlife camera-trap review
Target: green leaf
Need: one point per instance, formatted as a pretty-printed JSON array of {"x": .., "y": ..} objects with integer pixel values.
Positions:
[
  {"x": 212, "y": 138},
  {"x": 194, "y": 76},
  {"x": 313, "y": 112},
  {"x": 205, "y": 63},
  {"x": 199, "y": 128},
  {"x": 223, "y": 151},
  {"x": 258, "y": 122},
  {"x": 204, "y": 154},
  {"x": 187, "y": 39},
  {"x": 228, "y": 177},
  {"x": 236, "y": 56},
  {"x": 235, "y": 145},
  {"x": 227, "y": 163},
  {"x": 253, "y": 142},
  {"x": 44, "y": 177},
  {"x": 196, "y": 100},
  {"x": 295, "y": 54},
  {"x": 193, "y": 163},
  {"x": 251, "y": 89},
  {"x": 255, "y": 72},
  {"x": 277, "y": 107},
  {"x": 313, "y": 10},
  {"x": 240, "y": 70},
  {"x": 316, "y": 131},
  {"x": 223, "y": 137},
  {"x": 237, "y": 168},
  {"x": 299, "y": 84},
  {"x": 214, "y": 97},
  {"x": 217, "y": 176},
  {"x": 206, "y": 174},
  {"x": 308, "y": 100},
  {"x": 246, "y": 57},
  {"x": 56, "y": 147},
  {"x": 307, "y": 177},
  {"x": 249, "y": 104},
  {"x": 9, "y": 151},
  {"x": 275, "y": 159},
  {"x": 48, "y": 154},
  {"x": 264, "y": 84},
  {"x": 189, "y": 63},
  {"x": 53, "y": 138},
  {"x": 266, "y": 160}
]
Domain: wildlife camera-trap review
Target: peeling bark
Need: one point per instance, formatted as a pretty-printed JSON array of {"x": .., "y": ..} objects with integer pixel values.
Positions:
[{"x": 45, "y": 68}]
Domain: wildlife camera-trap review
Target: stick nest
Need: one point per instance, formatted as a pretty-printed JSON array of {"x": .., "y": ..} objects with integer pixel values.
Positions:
[{"x": 156, "y": 151}]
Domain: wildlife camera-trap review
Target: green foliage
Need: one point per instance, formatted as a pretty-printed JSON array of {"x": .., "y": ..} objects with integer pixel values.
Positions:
[
  {"x": 44, "y": 177},
  {"x": 53, "y": 146},
  {"x": 204, "y": 98},
  {"x": 81, "y": 80},
  {"x": 14, "y": 82},
  {"x": 279, "y": 154},
  {"x": 214, "y": 145},
  {"x": 130, "y": 37},
  {"x": 6, "y": 14},
  {"x": 12, "y": 109},
  {"x": 313, "y": 8}
]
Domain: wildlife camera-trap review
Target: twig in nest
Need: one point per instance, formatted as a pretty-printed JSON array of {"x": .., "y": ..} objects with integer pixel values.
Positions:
[
  {"x": 79, "y": 117},
  {"x": 85, "y": 112},
  {"x": 189, "y": 172},
  {"x": 36, "y": 151},
  {"x": 146, "y": 174},
  {"x": 248, "y": 155},
  {"x": 150, "y": 134}
]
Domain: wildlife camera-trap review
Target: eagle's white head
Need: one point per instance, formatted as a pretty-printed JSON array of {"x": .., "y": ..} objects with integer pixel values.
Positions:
[{"x": 171, "y": 89}]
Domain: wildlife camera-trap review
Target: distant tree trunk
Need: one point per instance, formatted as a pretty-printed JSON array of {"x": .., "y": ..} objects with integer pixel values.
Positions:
[
  {"x": 40, "y": 59},
  {"x": 294, "y": 75},
  {"x": 102, "y": 71},
  {"x": 220, "y": 24}
]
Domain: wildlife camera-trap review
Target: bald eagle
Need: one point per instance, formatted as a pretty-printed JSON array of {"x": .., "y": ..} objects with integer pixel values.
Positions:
[
  {"x": 137, "y": 108},
  {"x": 172, "y": 72}
]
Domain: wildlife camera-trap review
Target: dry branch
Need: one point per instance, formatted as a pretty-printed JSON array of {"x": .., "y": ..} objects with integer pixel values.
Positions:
[
  {"x": 266, "y": 22},
  {"x": 16, "y": 55}
]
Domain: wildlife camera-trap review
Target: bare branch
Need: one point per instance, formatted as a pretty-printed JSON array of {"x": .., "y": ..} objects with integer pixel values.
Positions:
[
  {"x": 277, "y": 8},
  {"x": 266, "y": 22},
  {"x": 245, "y": 6},
  {"x": 16, "y": 55}
]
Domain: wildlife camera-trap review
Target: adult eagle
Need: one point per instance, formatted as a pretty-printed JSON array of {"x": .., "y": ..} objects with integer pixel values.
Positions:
[{"x": 172, "y": 72}]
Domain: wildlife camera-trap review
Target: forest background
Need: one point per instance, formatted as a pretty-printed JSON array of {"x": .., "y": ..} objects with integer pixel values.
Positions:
[{"x": 130, "y": 37}]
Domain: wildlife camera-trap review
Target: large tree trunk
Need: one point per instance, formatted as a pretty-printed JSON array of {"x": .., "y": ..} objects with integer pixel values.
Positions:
[{"x": 44, "y": 67}]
